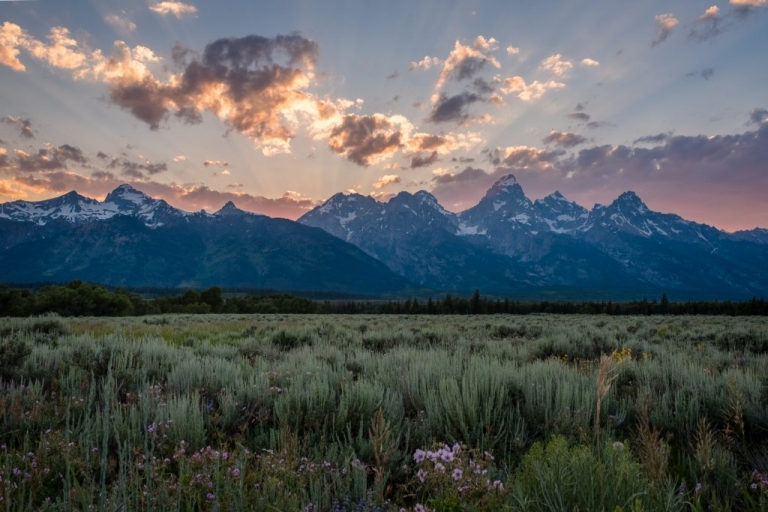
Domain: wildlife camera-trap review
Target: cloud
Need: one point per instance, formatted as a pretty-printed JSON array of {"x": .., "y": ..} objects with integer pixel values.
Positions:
[
  {"x": 120, "y": 23},
  {"x": 705, "y": 73},
  {"x": 50, "y": 158},
  {"x": 10, "y": 37},
  {"x": 664, "y": 25},
  {"x": 215, "y": 163},
  {"x": 653, "y": 139},
  {"x": 579, "y": 116},
  {"x": 24, "y": 125},
  {"x": 511, "y": 50},
  {"x": 367, "y": 139},
  {"x": 179, "y": 158},
  {"x": 177, "y": 9},
  {"x": 589, "y": 62},
  {"x": 464, "y": 61},
  {"x": 684, "y": 174},
  {"x": 425, "y": 64},
  {"x": 744, "y": 8},
  {"x": 255, "y": 85},
  {"x": 61, "y": 51},
  {"x": 564, "y": 139},
  {"x": 528, "y": 92},
  {"x": 444, "y": 144},
  {"x": 758, "y": 116},
  {"x": 707, "y": 26},
  {"x": 453, "y": 108},
  {"x": 424, "y": 161},
  {"x": 556, "y": 65},
  {"x": 137, "y": 169},
  {"x": 385, "y": 181},
  {"x": 144, "y": 54},
  {"x": 468, "y": 174},
  {"x": 525, "y": 157}
]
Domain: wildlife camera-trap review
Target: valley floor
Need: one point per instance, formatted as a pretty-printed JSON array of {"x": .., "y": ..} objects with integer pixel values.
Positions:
[{"x": 342, "y": 413}]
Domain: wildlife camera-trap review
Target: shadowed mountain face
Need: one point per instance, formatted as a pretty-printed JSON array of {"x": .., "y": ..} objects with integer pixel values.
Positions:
[
  {"x": 133, "y": 240},
  {"x": 553, "y": 242},
  {"x": 506, "y": 244}
]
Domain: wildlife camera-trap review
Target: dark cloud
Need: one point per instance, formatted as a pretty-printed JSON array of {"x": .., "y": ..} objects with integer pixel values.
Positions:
[
  {"x": 430, "y": 142},
  {"x": 463, "y": 160},
  {"x": 393, "y": 75},
  {"x": 653, "y": 139},
  {"x": 136, "y": 169},
  {"x": 215, "y": 163},
  {"x": 683, "y": 174},
  {"x": 362, "y": 139},
  {"x": 564, "y": 139},
  {"x": 180, "y": 55},
  {"x": 5, "y": 161},
  {"x": 247, "y": 82},
  {"x": 453, "y": 109},
  {"x": 579, "y": 115},
  {"x": 419, "y": 161},
  {"x": 758, "y": 116},
  {"x": 579, "y": 107},
  {"x": 49, "y": 159},
  {"x": 706, "y": 27},
  {"x": 23, "y": 125},
  {"x": 705, "y": 73},
  {"x": 103, "y": 175},
  {"x": 596, "y": 124},
  {"x": 744, "y": 8},
  {"x": 467, "y": 175},
  {"x": 483, "y": 87},
  {"x": 102, "y": 156}
]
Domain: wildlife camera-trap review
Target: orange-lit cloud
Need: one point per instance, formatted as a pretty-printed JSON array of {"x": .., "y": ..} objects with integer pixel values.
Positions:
[
  {"x": 385, "y": 181},
  {"x": 528, "y": 92},
  {"x": 564, "y": 139},
  {"x": 466, "y": 61},
  {"x": 425, "y": 64},
  {"x": 177, "y": 9},
  {"x": 557, "y": 65},
  {"x": 664, "y": 25}
]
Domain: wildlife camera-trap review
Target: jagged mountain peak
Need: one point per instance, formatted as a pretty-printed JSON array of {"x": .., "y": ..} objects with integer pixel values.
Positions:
[
  {"x": 229, "y": 209},
  {"x": 126, "y": 193},
  {"x": 505, "y": 181},
  {"x": 631, "y": 199}
]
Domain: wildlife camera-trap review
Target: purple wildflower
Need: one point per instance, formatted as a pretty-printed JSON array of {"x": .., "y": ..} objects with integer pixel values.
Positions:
[
  {"x": 419, "y": 456},
  {"x": 421, "y": 475},
  {"x": 457, "y": 474}
]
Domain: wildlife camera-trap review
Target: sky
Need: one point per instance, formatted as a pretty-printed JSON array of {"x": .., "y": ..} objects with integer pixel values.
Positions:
[{"x": 279, "y": 105}]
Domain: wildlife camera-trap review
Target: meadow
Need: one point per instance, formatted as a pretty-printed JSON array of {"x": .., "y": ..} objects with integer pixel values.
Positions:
[{"x": 362, "y": 413}]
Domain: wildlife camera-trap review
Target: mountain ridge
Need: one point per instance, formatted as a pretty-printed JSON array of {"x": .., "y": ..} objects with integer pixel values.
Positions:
[{"x": 506, "y": 243}]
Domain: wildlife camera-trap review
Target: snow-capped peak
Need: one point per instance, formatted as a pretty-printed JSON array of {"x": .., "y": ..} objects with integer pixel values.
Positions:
[
  {"x": 126, "y": 193},
  {"x": 505, "y": 181}
]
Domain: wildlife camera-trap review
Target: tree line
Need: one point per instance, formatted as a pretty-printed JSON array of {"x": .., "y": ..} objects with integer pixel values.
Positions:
[{"x": 84, "y": 299}]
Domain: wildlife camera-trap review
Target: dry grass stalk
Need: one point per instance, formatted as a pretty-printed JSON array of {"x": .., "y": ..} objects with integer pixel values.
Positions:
[
  {"x": 652, "y": 449},
  {"x": 605, "y": 377}
]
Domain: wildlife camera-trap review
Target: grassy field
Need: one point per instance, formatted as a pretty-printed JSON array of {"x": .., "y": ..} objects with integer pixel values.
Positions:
[{"x": 346, "y": 413}]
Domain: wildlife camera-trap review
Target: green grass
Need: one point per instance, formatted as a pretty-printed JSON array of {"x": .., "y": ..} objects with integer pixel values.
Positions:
[{"x": 250, "y": 412}]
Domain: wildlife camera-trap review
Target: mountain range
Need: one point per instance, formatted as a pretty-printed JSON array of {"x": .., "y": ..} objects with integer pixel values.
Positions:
[{"x": 504, "y": 245}]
